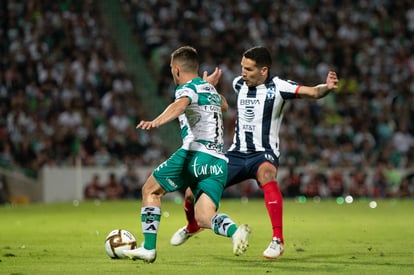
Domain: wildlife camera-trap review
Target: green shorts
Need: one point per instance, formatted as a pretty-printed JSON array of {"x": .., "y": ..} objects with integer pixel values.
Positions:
[{"x": 201, "y": 172}]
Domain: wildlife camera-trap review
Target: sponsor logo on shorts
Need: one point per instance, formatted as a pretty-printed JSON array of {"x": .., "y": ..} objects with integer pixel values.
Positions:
[
  {"x": 269, "y": 157},
  {"x": 171, "y": 183},
  {"x": 206, "y": 169}
]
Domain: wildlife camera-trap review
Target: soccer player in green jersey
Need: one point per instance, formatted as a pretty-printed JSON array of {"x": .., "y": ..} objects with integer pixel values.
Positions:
[{"x": 199, "y": 164}]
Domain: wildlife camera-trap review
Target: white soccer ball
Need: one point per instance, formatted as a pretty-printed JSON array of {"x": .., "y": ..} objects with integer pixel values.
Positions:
[{"x": 117, "y": 241}]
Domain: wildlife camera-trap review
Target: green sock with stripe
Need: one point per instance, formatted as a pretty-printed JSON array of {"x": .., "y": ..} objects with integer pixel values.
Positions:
[
  {"x": 150, "y": 220},
  {"x": 222, "y": 225}
]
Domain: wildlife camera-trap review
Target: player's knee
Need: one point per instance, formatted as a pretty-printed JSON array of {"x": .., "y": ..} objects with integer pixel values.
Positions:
[
  {"x": 204, "y": 210},
  {"x": 267, "y": 178},
  {"x": 203, "y": 222},
  {"x": 266, "y": 173},
  {"x": 152, "y": 188}
]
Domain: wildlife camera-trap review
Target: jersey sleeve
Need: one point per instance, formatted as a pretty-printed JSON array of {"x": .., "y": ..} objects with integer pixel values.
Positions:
[
  {"x": 186, "y": 91},
  {"x": 288, "y": 89}
]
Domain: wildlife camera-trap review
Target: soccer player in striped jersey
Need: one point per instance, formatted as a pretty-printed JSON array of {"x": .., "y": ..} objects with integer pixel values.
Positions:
[
  {"x": 199, "y": 164},
  {"x": 254, "y": 153}
]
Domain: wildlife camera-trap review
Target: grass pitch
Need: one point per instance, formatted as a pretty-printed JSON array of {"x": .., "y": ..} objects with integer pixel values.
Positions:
[{"x": 324, "y": 237}]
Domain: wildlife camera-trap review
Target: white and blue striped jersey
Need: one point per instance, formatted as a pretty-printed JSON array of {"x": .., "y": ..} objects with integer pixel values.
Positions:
[{"x": 260, "y": 113}]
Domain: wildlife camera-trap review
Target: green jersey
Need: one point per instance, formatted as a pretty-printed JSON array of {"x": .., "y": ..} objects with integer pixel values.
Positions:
[
  {"x": 200, "y": 162},
  {"x": 202, "y": 123}
]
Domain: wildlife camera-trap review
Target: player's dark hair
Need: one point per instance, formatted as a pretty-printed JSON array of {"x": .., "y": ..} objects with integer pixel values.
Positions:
[
  {"x": 260, "y": 55},
  {"x": 187, "y": 58}
]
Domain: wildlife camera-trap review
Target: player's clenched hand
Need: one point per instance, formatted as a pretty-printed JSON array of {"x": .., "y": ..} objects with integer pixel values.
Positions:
[{"x": 332, "y": 80}]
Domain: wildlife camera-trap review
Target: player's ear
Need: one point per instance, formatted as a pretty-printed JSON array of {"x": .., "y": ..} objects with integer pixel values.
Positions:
[
  {"x": 175, "y": 71},
  {"x": 264, "y": 70}
]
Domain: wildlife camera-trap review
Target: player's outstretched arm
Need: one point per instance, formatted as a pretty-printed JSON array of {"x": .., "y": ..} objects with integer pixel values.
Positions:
[
  {"x": 320, "y": 90},
  {"x": 170, "y": 113},
  {"x": 145, "y": 125}
]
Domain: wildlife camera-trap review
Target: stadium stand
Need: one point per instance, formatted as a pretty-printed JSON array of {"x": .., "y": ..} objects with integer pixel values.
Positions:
[{"x": 66, "y": 90}]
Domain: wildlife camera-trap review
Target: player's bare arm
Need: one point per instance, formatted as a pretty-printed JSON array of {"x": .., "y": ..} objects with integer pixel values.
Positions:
[
  {"x": 224, "y": 104},
  {"x": 170, "y": 113},
  {"x": 320, "y": 90}
]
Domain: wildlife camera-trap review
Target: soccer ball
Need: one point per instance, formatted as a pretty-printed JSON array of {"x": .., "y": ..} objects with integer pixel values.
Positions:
[{"x": 117, "y": 241}]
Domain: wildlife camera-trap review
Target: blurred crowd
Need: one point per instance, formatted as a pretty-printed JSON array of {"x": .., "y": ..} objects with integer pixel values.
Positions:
[
  {"x": 65, "y": 94},
  {"x": 64, "y": 90},
  {"x": 114, "y": 187},
  {"x": 337, "y": 182}
]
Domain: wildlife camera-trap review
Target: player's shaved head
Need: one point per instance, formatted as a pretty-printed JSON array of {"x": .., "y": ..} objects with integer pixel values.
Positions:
[{"x": 187, "y": 58}]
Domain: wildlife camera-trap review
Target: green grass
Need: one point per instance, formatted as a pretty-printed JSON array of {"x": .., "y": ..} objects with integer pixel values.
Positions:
[{"x": 321, "y": 238}]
